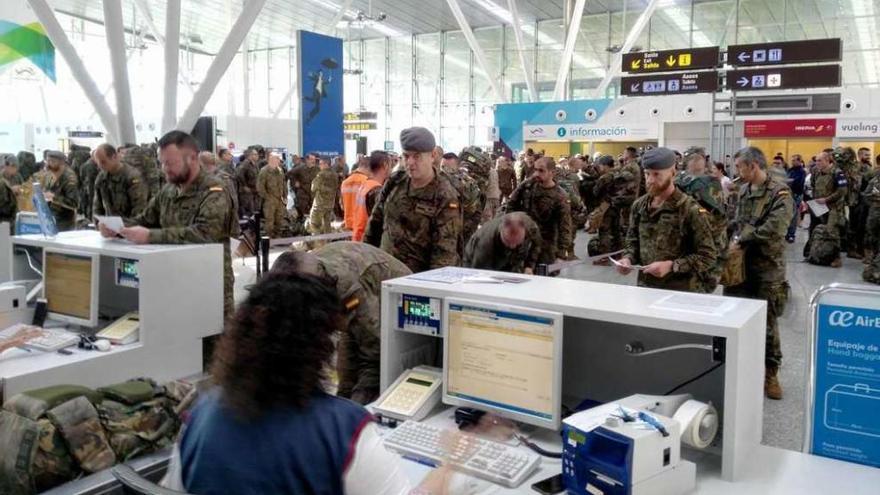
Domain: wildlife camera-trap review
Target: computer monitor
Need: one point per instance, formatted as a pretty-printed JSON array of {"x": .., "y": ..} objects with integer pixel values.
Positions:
[
  {"x": 503, "y": 359},
  {"x": 70, "y": 286}
]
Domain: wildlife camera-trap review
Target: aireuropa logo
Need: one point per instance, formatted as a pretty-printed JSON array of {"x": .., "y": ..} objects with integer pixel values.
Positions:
[
  {"x": 843, "y": 319},
  {"x": 561, "y": 132}
]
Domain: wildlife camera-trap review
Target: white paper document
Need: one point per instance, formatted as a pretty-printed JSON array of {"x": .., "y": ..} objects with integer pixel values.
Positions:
[
  {"x": 818, "y": 209},
  {"x": 696, "y": 303},
  {"x": 113, "y": 223},
  {"x": 631, "y": 267}
]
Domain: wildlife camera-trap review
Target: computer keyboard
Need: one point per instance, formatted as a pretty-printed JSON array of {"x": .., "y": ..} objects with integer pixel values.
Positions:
[
  {"x": 51, "y": 340},
  {"x": 492, "y": 461}
]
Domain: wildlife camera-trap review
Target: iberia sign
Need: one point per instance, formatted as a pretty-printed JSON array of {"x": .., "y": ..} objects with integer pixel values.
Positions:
[
  {"x": 790, "y": 128},
  {"x": 671, "y": 60}
]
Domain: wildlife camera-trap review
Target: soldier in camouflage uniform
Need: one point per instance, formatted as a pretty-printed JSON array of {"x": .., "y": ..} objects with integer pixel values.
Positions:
[
  {"x": 845, "y": 159},
  {"x": 142, "y": 160},
  {"x": 629, "y": 185},
  {"x": 120, "y": 189},
  {"x": 831, "y": 188},
  {"x": 871, "y": 197},
  {"x": 524, "y": 167},
  {"x": 706, "y": 189},
  {"x": 357, "y": 269},
  {"x": 300, "y": 180},
  {"x": 469, "y": 196},
  {"x": 669, "y": 234},
  {"x": 568, "y": 180},
  {"x": 62, "y": 191},
  {"x": 323, "y": 189},
  {"x": 246, "y": 183},
  {"x": 224, "y": 157},
  {"x": 477, "y": 164},
  {"x": 547, "y": 204},
  {"x": 507, "y": 243},
  {"x": 209, "y": 164},
  {"x": 417, "y": 218},
  {"x": 763, "y": 213},
  {"x": 605, "y": 221},
  {"x": 506, "y": 178},
  {"x": 272, "y": 189},
  {"x": 858, "y": 213},
  {"x": 88, "y": 174},
  {"x": 193, "y": 208}
]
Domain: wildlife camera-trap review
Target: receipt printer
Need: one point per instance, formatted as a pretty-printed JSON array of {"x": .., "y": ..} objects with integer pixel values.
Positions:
[{"x": 625, "y": 448}]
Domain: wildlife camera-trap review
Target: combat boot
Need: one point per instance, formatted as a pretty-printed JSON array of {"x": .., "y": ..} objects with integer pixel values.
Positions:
[{"x": 772, "y": 388}]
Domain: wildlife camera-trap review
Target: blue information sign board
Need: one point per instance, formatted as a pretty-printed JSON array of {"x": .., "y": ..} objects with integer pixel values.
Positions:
[{"x": 845, "y": 391}]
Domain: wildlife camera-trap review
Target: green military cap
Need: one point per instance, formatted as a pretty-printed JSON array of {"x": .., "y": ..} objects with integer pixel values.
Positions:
[
  {"x": 417, "y": 139},
  {"x": 658, "y": 159}
]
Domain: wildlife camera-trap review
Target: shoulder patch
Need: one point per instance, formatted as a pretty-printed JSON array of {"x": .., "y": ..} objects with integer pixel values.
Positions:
[
  {"x": 216, "y": 189},
  {"x": 702, "y": 210},
  {"x": 454, "y": 206}
]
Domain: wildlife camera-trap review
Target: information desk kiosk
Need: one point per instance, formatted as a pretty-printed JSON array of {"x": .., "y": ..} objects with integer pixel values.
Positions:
[
  {"x": 176, "y": 292},
  {"x": 616, "y": 341}
]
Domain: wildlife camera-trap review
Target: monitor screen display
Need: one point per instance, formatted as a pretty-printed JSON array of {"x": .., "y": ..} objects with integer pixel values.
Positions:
[
  {"x": 69, "y": 281},
  {"x": 504, "y": 360}
]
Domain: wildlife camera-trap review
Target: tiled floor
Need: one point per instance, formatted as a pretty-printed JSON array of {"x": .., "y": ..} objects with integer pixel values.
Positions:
[{"x": 783, "y": 420}]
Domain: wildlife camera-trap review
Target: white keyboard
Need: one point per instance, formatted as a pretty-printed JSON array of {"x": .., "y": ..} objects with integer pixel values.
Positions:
[
  {"x": 51, "y": 340},
  {"x": 492, "y": 461}
]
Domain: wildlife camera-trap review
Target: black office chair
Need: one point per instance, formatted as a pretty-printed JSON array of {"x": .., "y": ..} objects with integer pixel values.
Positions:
[{"x": 135, "y": 483}]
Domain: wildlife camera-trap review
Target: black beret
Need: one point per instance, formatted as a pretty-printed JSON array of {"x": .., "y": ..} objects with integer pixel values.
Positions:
[
  {"x": 658, "y": 159},
  {"x": 417, "y": 139}
]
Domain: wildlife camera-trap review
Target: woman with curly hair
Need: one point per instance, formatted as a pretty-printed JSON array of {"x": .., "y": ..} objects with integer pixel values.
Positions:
[{"x": 269, "y": 427}]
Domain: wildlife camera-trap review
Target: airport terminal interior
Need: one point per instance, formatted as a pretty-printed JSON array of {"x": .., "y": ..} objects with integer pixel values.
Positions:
[{"x": 439, "y": 247}]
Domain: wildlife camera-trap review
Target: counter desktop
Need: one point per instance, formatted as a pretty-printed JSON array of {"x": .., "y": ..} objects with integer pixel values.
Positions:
[{"x": 610, "y": 389}]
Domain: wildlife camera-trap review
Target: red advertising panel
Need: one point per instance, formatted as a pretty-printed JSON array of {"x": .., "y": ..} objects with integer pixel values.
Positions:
[{"x": 790, "y": 128}]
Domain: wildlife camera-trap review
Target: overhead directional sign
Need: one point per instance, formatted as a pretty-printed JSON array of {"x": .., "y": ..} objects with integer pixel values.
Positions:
[
  {"x": 785, "y": 52},
  {"x": 670, "y": 84},
  {"x": 671, "y": 60},
  {"x": 817, "y": 76}
]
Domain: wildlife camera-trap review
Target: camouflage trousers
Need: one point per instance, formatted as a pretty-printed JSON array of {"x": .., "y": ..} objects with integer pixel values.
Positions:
[
  {"x": 320, "y": 220},
  {"x": 608, "y": 238},
  {"x": 247, "y": 204},
  {"x": 357, "y": 364},
  {"x": 491, "y": 208},
  {"x": 776, "y": 295},
  {"x": 872, "y": 230},
  {"x": 273, "y": 217},
  {"x": 303, "y": 202}
]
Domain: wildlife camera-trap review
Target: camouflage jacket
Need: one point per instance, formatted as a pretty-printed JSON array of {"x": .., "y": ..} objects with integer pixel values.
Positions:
[
  {"x": 324, "y": 187},
  {"x": 270, "y": 185},
  {"x": 763, "y": 214},
  {"x": 834, "y": 187},
  {"x": 506, "y": 180},
  {"x": 301, "y": 176},
  {"x": 358, "y": 269},
  {"x": 88, "y": 175},
  {"x": 420, "y": 227},
  {"x": 708, "y": 193},
  {"x": 143, "y": 161},
  {"x": 486, "y": 251},
  {"x": 201, "y": 214},
  {"x": 677, "y": 231},
  {"x": 550, "y": 209},
  {"x": 627, "y": 185},
  {"x": 66, "y": 202},
  {"x": 469, "y": 202},
  {"x": 246, "y": 178},
  {"x": 229, "y": 184},
  {"x": 871, "y": 194},
  {"x": 121, "y": 194}
]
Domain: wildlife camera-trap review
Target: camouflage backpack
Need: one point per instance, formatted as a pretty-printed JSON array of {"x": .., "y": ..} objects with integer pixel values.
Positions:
[
  {"x": 824, "y": 246},
  {"x": 478, "y": 165}
]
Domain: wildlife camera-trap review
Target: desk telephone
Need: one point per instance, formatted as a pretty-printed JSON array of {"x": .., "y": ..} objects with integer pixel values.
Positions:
[
  {"x": 412, "y": 396},
  {"x": 123, "y": 331}
]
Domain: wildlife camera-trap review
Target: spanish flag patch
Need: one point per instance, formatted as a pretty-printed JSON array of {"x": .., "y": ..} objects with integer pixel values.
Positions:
[
  {"x": 352, "y": 303},
  {"x": 703, "y": 210}
]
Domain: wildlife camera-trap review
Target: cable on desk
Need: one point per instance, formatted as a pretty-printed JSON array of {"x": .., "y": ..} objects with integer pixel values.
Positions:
[
  {"x": 538, "y": 450},
  {"x": 636, "y": 349},
  {"x": 30, "y": 261},
  {"x": 692, "y": 380}
]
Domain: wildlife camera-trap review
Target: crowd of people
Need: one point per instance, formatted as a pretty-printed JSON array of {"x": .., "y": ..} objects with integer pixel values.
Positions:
[{"x": 681, "y": 220}]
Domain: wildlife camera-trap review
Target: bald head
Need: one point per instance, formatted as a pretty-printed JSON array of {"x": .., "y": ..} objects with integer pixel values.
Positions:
[{"x": 107, "y": 158}]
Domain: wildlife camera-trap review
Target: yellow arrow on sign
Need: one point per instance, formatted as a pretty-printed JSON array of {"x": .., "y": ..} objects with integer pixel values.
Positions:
[
  {"x": 635, "y": 64},
  {"x": 670, "y": 61}
]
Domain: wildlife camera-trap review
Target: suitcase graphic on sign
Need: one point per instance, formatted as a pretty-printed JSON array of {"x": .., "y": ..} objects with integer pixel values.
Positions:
[{"x": 853, "y": 408}]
